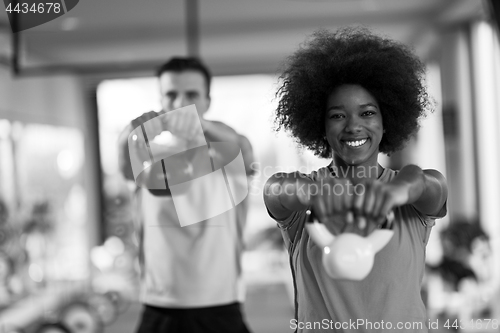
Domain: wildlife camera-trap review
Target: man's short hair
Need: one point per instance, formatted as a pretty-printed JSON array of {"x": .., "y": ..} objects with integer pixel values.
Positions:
[{"x": 182, "y": 64}]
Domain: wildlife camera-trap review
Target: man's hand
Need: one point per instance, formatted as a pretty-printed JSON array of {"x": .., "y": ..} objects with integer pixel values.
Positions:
[
  {"x": 183, "y": 124},
  {"x": 123, "y": 142},
  {"x": 216, "y": 131},
  {"x": 144, "y": 118}
]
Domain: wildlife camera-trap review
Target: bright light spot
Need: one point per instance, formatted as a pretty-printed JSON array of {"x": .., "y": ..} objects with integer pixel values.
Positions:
[
  {"x": 134, "y": 137},
  {"x": 166, "y": 138},
  {"x": 146, "y": 164},
  {"x": 4, "y": 128},
  {"x": 101, "y": 258},
  {"x": 326, "y": 249},
  {"x": 114, "y": 246},
  {"x": 75, "y": 205},
  {"x": 65, "y": 160},
  {"x": 35, "y": 273},
  {"x": 67, "y": 163}
]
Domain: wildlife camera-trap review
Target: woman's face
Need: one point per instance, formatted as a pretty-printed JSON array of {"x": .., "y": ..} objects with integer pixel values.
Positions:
[{"x": 353, "y": 125}]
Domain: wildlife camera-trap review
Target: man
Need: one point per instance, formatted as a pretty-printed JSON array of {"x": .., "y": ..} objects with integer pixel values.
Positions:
[{"x": 192, "y": 276}]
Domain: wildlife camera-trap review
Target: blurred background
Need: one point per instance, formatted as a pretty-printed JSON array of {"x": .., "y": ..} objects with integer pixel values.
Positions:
[{"x": 68, "y": 248}]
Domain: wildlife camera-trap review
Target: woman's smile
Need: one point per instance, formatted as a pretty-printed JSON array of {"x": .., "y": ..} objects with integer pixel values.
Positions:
[{"x": 356, "y": 143}]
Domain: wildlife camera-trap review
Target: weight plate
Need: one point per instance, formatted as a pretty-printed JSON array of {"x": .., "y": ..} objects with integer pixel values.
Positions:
[
  {"x": 118, "y": 299},
  {"x": 120, "y": 229},
  {"x": 105, "y": 308},
  {"x": 79, "y": 317}
]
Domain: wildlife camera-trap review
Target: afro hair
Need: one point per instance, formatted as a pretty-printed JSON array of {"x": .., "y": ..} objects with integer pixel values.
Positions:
[{"x": 389, "y": 70}]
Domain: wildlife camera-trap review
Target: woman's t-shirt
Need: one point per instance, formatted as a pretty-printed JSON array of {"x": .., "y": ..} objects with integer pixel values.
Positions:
[{"x": 387, "y": 299}]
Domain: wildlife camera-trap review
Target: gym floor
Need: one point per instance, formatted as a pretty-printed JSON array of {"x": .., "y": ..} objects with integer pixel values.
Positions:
[{"x": 267, "y": 309}]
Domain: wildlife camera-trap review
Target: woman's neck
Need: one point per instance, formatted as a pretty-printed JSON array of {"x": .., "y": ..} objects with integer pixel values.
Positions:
[{"x": 357, "y": 172}]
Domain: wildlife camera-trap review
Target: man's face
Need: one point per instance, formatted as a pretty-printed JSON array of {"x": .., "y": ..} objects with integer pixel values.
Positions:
[{"x": 179, "y": 89}]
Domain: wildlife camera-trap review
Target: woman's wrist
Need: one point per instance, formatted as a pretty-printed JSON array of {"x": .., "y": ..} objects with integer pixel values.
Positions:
[{"x": 294, "y": 191}]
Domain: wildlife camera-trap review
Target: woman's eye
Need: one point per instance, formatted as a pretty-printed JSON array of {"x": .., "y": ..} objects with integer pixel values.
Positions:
[
  {"x": 336, "y": 116},
  {"x": 368, "y": 113}
]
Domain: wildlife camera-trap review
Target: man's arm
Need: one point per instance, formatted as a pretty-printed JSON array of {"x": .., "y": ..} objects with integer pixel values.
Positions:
[
  {"x": 124, "y": 163},
  {"x": 124, "y": 155},
  {"x": 216, "y": 131},
  {"x": 426, "y": 190}
]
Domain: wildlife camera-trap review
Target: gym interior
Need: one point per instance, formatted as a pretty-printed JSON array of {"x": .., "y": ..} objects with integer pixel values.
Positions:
[{"x": 69, "y": 250}]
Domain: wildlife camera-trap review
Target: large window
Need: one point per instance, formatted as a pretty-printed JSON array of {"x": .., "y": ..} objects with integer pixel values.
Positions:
[{"x": 43, "y": 220}]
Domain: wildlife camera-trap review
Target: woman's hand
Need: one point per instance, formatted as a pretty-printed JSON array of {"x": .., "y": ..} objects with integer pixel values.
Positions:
[
  {"x": 376, "y": 199},
  {"x": 361, "y": 208},
  {"x": 332, "y": 202}
]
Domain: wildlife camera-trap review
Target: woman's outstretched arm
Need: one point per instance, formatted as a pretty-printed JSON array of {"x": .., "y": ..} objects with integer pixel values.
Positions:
[
  {"x": 427, "y": 189},
  {"x": 285, "y": 193}
]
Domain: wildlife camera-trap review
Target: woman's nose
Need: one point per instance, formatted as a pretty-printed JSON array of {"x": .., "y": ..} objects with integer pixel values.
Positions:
[{"x": 353, "y": 124}]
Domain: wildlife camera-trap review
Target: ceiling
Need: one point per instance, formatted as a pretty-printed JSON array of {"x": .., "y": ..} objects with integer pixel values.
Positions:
[{"x": 236, "y": 36}]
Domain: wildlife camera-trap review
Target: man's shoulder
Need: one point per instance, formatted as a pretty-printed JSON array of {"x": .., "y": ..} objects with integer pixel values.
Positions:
[{"x": 218, "y": 122}]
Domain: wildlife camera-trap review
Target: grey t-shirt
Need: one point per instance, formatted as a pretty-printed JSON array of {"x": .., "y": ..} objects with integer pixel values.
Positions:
[{"x": 387, "y": 299}]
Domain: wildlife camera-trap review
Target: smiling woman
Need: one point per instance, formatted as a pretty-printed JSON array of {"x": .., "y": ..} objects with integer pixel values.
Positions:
[
  {"x": 353, "y": 125},
  {"x": 350, "y": 95},
  {"x": 388, "y": 70}
]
